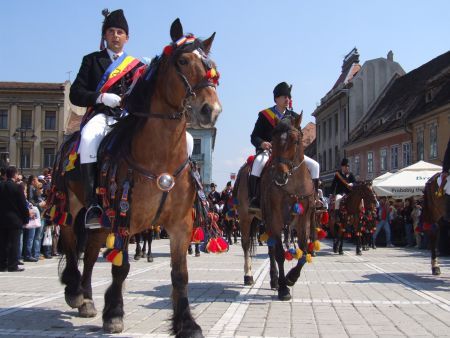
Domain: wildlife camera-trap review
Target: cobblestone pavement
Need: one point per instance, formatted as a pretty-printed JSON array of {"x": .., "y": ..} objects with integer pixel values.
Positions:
[{"x": 384, "y": 293}]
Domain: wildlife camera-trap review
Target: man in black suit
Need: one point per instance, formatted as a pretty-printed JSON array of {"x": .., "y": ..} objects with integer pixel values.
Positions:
[
  {"x": 342, "y": 182},
  {"x": 103, "y": 78},
  {"x": 14, "y": 214}
]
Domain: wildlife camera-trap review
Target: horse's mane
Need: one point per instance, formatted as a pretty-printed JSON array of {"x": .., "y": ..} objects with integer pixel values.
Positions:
[
  {"x": 139, "y": 100},
  {"x": 283, "y": 126}
]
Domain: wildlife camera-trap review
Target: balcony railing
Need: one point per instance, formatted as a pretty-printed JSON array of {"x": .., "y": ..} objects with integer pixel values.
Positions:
[{"x": 198, "y": 157}]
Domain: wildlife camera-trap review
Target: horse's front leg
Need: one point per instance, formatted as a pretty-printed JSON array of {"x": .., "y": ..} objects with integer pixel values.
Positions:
[
  {"x": 138, "y": 253},
  {"x": 283, "y": 290},
  {"x": 183, "y": 324},
  {"x": 273, "y": 269},
  {"x": 113, "y": 311},
  {"x": 96, "y": 238}
]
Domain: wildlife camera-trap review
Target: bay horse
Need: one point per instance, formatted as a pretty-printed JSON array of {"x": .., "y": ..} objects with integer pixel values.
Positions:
[
  {"x": 178, "y": 86},
  {"x": 432, "y": 217},
  {"x": 147, "y": 239},
  {"x": 356, "y": 211},
  {"x": 284, "y": 182}
]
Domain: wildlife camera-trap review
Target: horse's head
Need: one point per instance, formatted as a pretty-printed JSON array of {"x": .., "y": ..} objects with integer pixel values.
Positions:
[
  {"x": 187, "y": 77},
  {"x": 287, "y": 148}
]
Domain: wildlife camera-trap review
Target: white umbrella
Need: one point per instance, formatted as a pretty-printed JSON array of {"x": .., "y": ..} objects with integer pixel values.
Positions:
[
  {"x": 407, "y": 182},
  {"x": 381, "y": 177}
]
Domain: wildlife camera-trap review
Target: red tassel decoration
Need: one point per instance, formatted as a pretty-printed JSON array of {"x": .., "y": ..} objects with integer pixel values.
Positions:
[
  {"x": 168, "y": 50},
  {"x": 310, "y": 247},
  {"x": 198, "y": 235},
  {"x": 221, "y": 244},
  {"x": 288, "y": 256},
  {"x": 325, "y": 218},
  {"x": 321, "y": 234}
]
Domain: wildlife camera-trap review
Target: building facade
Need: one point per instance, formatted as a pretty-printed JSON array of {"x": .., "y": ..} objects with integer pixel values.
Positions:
[
  {"x": 32, "y": 121},
  {"x": 408, "y": 123},
  {"x": 343, "y": 108},
  {"x": 204, "y": 142}
]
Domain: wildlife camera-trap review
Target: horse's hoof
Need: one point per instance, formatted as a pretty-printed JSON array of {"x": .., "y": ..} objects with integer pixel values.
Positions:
[
  {"x": 142, "y": 254},
  {"x": 137, "y": 257},
  {"x": 359, "y": 253},
  {"x": 87, "y": 310},
  {"x": 113, "y": 325},
  {"x": 197, "y": 254},
  {"x": 74, "y": 301},
  {"x": 150, "y": 258},
  {"x": 284, "y": 294},
  {"x": 274, "y": 285},
  {"x": 313, "y": 254},
  {"x": 341, "y": 252},
  {"x": 190, "y": 334},
  {"x": 436, "y": 271},
  {"x": 335, "y": 250},
  {"x": 289, "y": 282},
  {"x": 248, "y": 280}
]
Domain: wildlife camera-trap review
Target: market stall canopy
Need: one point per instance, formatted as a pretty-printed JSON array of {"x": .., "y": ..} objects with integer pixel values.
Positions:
[
  {"x": 382, "y": 177},
  {"x": 407, "y": 182}
]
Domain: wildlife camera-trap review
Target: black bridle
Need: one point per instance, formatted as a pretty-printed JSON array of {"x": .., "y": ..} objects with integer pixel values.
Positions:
[{"x": 190, "y": 90}]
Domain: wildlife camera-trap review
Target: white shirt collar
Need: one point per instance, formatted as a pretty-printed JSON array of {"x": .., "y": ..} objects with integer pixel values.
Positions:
[{"x": 111, "y": 53}]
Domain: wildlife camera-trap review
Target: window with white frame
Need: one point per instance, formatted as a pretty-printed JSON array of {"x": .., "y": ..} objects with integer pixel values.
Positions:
[
  {"x": 406, "y": 152},
  {"x": 370, "y": 162},
  {"x": 433, "y": 141},
  {"x": 50, "y": 120},
  {"x": 420, "y": 148},
  {"x": 357, "y": 165},
  {"x": 49, "y": 156},
  {"x": 383, "y": 159},
  {"x": 25, "y": 158},
  {"x": 394, "y": 157},
  {"x": 26, "y": 119}
]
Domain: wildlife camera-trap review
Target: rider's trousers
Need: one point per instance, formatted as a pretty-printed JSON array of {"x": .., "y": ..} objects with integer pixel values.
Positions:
[
  {"x": 96, "y": 129},
  {"x": 262, "y": 158}
]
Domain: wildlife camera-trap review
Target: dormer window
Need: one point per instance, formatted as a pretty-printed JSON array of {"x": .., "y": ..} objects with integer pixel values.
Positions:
[
  {"x": 429, "y": 96},
  {"x": 399, "y": 115}
]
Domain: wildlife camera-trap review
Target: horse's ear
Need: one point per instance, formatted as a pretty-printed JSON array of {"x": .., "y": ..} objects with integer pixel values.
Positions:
[
  {"x": 208, "y": 43},
  {"x": 298, "y": 121},
  {"x": 176, "y": 30}
]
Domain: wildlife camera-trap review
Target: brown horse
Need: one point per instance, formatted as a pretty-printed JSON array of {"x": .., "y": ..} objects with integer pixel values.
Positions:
[
  {"x": 177, "y": 86},
  {"x": 285, "y": 182},
  {"x": 433, "y": 213},
  {"x": 356, "y": 207}
]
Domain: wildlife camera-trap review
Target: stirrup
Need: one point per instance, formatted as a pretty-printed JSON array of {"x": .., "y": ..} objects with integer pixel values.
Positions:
[{"x": 93, "y": 222}]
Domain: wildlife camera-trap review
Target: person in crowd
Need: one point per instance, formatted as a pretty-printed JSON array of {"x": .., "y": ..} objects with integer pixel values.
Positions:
[
  {"x": 214, "y": 199},
  {"x": 14, "y": 214},
  {"x": 407, "y": 221},
  {"x": 446, "y": 186},
  {"x": 384, "y": 217},
  {"x": 416, "y": 214},
  {"x": 2, "y": 175}
]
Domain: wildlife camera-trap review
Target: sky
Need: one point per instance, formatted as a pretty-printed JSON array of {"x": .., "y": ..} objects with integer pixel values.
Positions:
[{"x": 257, "y": 45}]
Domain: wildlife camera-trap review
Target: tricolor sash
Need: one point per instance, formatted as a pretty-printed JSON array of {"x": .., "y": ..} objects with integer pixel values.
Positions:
[
  {"x": 270, "y": 115},
  {"x": 116, "y": 70}
]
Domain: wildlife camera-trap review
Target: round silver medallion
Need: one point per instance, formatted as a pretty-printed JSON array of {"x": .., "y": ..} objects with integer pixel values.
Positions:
[{"x": 165, "y": 182}]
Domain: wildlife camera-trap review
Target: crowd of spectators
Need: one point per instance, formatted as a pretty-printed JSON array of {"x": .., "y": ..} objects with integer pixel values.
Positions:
[{"x": 37, "y": 238}]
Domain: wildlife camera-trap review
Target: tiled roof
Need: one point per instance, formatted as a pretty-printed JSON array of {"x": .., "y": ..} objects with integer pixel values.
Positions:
[
  {"x": 346, "y": 77},
  {"x": 404, "y": 99},
  {"x": 309, "y": 134},
  {"x": 73, "y": 124},
  {"x": 31, "y": 86}
]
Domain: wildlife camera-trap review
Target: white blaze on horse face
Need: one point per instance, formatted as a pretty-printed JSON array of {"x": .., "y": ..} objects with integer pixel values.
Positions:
[{"x": 283, "y": 138}]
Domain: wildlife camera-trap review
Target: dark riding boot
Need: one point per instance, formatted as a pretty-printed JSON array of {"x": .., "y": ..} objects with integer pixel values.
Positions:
[
  {"x": 94, "y": 211},
  {"x": 253, "y": 192}
]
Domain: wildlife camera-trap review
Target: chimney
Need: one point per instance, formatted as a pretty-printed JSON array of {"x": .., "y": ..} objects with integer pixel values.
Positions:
[
  {"x": 350, "y": 59},
  {"x": 390, "y": 56}
]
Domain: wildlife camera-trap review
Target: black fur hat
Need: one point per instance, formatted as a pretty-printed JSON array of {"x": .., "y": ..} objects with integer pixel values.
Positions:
[
  {"x": 114, "y": 19},
  {"x": 344, "y": 162},
  {"x": 282, "y": 89}
]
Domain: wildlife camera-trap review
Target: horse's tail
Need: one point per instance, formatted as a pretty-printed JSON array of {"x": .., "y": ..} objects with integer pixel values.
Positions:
[
  {"x": 254, "y": 231},
  {"x": 237, "y": 182}
]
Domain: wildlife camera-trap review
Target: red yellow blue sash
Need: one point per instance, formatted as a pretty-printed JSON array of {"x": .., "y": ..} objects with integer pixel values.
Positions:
[
  {"x": 116, "y": 70},
  {"x": 269, "y": 115}
]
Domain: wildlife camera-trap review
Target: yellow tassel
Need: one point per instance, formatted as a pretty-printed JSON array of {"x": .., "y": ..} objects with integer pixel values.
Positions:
[
  {"x": 110, "y": 241},
  {"x": 298, "y": 253},
  {"x": 316, "y": 245},
  {"x": 72, "y": 158},
  {"x": 117, "y": 261},
  {"x": 439, "y": 192},
  {"x": 309, "y": 258},
  {"x": 264, "y": 237},
  {"x": 52, "y": 212}
]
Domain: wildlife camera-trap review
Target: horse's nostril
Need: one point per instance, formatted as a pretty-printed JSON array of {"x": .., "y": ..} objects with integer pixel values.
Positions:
[{"x": 206, "y": 109}]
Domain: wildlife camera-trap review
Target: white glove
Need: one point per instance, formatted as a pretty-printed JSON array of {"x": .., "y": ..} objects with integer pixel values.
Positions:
[{"x": 109, "y": 99}]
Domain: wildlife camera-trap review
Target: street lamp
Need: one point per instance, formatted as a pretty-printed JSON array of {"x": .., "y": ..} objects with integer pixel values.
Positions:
[{"x": 21, "y": 133}]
